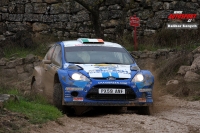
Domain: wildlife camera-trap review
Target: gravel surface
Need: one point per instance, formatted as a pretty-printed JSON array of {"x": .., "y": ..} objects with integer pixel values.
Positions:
[{"x": 172, "y": 115}]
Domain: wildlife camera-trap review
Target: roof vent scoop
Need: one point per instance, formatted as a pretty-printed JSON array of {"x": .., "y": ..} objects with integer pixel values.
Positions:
[{"x": 89, "y": 41}]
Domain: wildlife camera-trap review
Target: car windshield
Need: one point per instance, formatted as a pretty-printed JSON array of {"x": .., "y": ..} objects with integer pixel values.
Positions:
[{"x": 97, "y": 55}]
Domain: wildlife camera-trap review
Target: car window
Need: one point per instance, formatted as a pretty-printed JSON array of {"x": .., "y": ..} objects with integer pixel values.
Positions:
[
  {"x": 49, "y": 54},
  {"x": 97, "y": 55},
  {"x": 57, "y": 58},
  {"x": 122, "y": 58}
]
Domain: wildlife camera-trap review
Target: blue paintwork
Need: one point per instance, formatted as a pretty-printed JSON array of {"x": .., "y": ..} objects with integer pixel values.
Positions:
[{"x": 66, "y": 81}]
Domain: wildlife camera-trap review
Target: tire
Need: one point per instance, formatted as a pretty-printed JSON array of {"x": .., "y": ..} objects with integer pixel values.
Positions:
[
  {"x": 57, "y": 96},
  {"x": 57, "y": 100},
  {"x": 146, "y": 110}
]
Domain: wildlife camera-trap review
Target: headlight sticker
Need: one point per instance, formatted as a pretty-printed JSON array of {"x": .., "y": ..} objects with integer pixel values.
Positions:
[{"x": 148, "y": 80}]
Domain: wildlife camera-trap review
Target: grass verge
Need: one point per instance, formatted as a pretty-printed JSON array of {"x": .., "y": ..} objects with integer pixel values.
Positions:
[
  {"x": 36, "y": 109},
  {"x": 37, "y": 113}
]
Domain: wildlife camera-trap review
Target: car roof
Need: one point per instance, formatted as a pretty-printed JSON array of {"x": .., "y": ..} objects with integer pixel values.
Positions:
[{"x": 90, "y": 42}]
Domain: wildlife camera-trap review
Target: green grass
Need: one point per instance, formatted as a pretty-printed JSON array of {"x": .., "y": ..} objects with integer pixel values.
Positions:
[
  {"x": 39, "y": 47},
  {"x": 35, "y": 108},
  {"x": 36, "y": 112},
  {"x": 23, "y": 52},
  {"x": 15, "y": 51},
  {"x": 196, "y": 98}
]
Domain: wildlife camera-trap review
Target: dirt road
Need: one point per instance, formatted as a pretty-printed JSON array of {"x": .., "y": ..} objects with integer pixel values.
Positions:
[{"x": 172, "y": 116}]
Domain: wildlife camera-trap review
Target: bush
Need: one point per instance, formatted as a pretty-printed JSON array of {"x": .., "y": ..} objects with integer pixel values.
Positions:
[{"x": 171, "y": 38}]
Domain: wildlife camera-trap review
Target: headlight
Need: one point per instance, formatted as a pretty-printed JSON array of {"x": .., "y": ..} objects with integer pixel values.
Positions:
[
  {"x": 79, "y": 76},
  {"x": 138, "y": 78}
]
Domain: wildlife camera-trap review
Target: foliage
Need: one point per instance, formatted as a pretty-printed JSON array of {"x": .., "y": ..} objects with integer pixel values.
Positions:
[
  {"x": 196, "y": 98},
  {"x": 173, "y": 39},
  {"x": 40, "y": 47}
]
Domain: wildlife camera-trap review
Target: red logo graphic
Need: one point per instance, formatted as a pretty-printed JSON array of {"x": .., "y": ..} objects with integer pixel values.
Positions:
[{"x": 180, "y": 16}]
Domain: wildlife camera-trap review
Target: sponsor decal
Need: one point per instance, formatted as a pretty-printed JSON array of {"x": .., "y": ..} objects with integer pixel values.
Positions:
[
  {"x": 109, "y": 71},
  {"x": 77, "y": 98},
  {"x": 105, "y": 65},
  {"x": 142, "y": 100},
  {"x": 106, "y": 71},
  {"x": 145, "y": 90},
  {"x": 113, "y": 83},
  {"x": 182, "y": 26},
  {"x": 73, "y": 89},
  {"x": 178, "y": 15},
  {"x": 67, "y": 95}
]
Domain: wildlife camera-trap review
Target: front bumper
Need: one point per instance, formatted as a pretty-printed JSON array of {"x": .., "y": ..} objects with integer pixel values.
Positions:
[
  {"x": 109, "y": 103},
  {"x": 83, "y": 88}
]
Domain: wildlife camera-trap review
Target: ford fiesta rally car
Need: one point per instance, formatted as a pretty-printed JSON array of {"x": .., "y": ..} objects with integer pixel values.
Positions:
[{"x": 91, "y": 72}]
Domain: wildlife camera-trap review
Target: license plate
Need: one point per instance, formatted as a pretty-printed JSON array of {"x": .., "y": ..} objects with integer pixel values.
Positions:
[{"x": 111, "y": 91}]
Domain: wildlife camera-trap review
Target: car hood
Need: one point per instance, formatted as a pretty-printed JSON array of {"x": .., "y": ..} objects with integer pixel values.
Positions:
[{"x": 107, "y": 70}]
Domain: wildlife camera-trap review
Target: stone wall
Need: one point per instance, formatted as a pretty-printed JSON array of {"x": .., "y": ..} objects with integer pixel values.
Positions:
[
  {"x": 19, "y": 69},
  {"x": 68, "y": 19},
  {"x": 154, "y": 60}
]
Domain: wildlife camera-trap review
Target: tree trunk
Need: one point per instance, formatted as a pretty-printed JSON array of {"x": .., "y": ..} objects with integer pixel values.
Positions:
[{"x": 94, "y": 10}]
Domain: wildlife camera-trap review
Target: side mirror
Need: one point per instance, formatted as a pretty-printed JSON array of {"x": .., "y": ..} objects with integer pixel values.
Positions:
[{"x": 46, "y": 61}]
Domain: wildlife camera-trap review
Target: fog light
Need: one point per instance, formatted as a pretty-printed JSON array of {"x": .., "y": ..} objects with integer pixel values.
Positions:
[{"x": 74, "y": 93}]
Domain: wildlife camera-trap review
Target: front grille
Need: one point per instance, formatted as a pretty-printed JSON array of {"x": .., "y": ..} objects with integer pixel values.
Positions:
[{"x": 93, "y": 93}]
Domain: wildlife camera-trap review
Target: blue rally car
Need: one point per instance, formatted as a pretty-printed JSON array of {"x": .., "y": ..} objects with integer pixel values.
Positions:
[{"x": 87, "y": 72}]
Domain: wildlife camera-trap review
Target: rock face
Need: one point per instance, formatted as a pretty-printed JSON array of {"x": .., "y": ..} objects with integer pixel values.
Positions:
[
  {"x": 188, "y": 76},
  {"x": 183, "y": 69},
  {"x": 3, "y": 98},
  {"x": 191, "y": 77},
  {"x": 68, "y": 19},
  {"x": 172, "y": 82},
  {"x": 19, "y": 68},
  {"x": 6, "y": 97},
  {"x": 172, "y": 86},
  {"x": 190, "y": 73}
]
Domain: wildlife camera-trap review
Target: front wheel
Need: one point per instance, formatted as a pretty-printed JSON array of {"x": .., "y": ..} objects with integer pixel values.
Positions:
[
  {"x": 57, "y": 96},
  {"x": 57, "y": 100}
]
